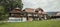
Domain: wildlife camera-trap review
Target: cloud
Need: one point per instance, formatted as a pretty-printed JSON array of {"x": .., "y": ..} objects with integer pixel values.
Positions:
[{"x": 46, "y": 5}]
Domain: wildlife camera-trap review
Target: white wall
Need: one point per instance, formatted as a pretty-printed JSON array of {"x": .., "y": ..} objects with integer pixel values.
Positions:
[{"x": 13, "y": 19}]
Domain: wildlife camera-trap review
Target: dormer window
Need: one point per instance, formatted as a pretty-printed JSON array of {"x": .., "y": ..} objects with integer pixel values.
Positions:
[
  {"x": 35, "y": 15},
  {"x": 29, "y": 15},
  {"x": 36, "y": 11}
]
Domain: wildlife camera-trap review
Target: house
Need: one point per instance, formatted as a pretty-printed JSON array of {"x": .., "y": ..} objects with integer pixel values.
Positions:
[
  {"x": 17, "y": 15},
  {"x": 28, "y": 14},
  {"x": 55, "y": 15},
  {"x": 41, "y": 13}
]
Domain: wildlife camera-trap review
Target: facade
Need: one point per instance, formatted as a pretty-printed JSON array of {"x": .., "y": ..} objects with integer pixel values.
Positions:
[{"x": 28, "y": 14}]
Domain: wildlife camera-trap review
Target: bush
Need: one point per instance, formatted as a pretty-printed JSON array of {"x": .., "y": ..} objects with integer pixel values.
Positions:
[
  {"x": 3, "y": 15},
  {"x": 48, "y": 17}
]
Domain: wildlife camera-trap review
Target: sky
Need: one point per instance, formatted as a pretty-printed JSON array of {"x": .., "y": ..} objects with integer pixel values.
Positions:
[{"x": 46, "y": 5}]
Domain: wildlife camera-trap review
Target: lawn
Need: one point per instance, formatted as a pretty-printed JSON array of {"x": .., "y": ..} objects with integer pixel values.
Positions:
[{"x": 44, "y": 23}]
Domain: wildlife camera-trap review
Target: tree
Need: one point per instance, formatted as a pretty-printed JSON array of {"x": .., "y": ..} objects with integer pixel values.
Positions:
[
  {"x": 3, "y": 15},
  {"x": 10, "y": 4},
  {"x": 16, "y": 3},
  {"x": 7, "y": 5}
]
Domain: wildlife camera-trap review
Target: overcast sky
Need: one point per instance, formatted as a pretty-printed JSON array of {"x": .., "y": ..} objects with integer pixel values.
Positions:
[{"x": 46, "y": 5}]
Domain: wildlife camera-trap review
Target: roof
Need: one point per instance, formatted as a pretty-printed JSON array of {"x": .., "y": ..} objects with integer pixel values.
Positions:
[
  {"x": 28, "y": 10},
  {"x": 17, "y": 8},
  {"x": 58, "y": 14},
  {"x": 14, "y": 12},
  {"x": 39, "y": 9}
]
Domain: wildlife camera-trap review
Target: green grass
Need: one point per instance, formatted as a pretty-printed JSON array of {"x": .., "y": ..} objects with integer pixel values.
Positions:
[{"x": 44, "y": 23}]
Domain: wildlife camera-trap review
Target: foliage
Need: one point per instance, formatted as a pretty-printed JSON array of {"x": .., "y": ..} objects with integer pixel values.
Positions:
[
  {"x": 48, "y": 17},
  {"x": 1, "y": 9},
  {"x": 7, "y": 5},
  {"x": 10, "y": 4},
  {"x": 3, "y": 15}
]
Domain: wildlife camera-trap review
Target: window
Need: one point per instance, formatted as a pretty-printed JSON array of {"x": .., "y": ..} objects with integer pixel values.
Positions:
[
  {"x": 35, "y": 15},
  {"x": 29, "y": 14},
  {"x": 12, "y": 14},
  {"x": 36, "y": 11}
]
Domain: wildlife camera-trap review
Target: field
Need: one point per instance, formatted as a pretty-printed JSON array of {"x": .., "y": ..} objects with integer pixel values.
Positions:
[{"x": 44, "y": 23}]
